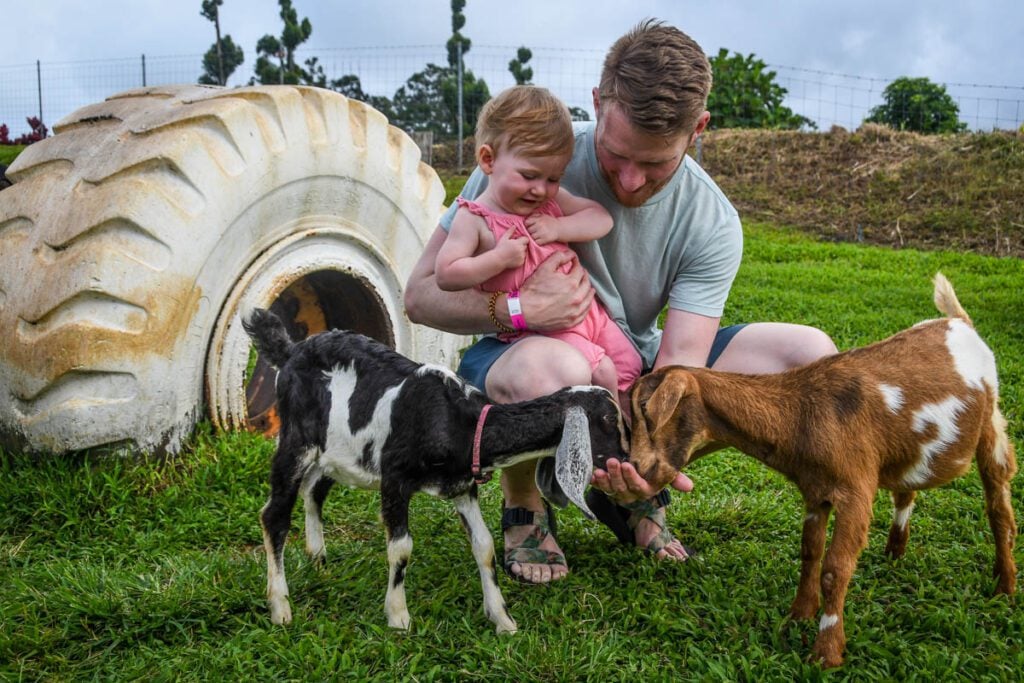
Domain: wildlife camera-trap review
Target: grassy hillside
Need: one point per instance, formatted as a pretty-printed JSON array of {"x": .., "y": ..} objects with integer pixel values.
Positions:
[
  {"x": 879, "y": 186},
  {"x": 117, "y": 570}
]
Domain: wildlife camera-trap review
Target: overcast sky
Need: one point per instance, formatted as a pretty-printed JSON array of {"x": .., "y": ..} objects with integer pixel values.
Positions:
[{"x": 978, "y": 42}]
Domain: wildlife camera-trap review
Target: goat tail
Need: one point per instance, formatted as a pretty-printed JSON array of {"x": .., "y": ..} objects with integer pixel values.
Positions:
[
  {"x": 946, "y": 301},
  {"x": 269, "y": 335}
]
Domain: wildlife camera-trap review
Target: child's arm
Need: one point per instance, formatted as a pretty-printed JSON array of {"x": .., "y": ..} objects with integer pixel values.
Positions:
[
  {"x": 584, "y": 220},
  {"x": 459, "y": 266}
]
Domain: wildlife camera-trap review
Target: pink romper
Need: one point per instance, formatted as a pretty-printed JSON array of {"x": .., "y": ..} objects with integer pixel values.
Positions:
[{"x": 598, "y": 335}]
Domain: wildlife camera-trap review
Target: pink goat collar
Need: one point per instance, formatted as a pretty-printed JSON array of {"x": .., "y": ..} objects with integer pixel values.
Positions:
[{"x": 478, "y": 476}]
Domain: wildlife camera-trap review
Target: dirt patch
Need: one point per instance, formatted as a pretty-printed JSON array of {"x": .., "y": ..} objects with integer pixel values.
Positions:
[{"x": 963, "y": 192}]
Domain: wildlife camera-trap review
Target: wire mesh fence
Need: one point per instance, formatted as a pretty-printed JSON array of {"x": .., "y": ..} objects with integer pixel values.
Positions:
[{"x": 51, "y": 91}]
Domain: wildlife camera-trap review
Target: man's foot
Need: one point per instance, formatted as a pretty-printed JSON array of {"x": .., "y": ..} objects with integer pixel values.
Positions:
[
  {"x": 532, "y": 554},
  {"x": 641, "y": 523},
  {"x": 650, "y": 531}
]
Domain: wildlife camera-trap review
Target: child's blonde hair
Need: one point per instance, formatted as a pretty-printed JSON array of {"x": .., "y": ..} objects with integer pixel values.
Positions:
[{"x": 527, "y": 118}]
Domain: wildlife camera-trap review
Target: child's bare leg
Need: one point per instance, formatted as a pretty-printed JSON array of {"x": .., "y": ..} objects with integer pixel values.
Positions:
[{"x": 606, "y": 376}]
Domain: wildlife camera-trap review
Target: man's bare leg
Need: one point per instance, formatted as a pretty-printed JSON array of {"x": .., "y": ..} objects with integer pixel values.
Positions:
[
  {"x": 774, "y": 347},
  {"x": 533, "y": 367}
]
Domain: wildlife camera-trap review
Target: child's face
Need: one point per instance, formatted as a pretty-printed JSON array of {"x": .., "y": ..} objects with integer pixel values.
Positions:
[{"x": 519, "y": 183}]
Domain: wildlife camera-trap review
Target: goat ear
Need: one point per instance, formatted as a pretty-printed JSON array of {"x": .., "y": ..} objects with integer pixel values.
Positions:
[
  {"x": 547, "y": 483},
  {"x": 573, "y": 464},
  {"x": 660, "y": 405}
]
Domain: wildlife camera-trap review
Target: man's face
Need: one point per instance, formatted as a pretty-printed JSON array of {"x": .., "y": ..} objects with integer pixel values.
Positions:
[{"x": 636, "y": 164}]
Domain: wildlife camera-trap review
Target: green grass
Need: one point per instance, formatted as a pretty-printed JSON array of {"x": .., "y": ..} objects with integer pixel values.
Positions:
[
  {"x": 115, "y": 569},
  {"x": 9, "y": 152}
]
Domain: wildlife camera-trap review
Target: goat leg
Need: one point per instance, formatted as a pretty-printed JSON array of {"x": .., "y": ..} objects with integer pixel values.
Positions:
[
  {"x": 812, "y": 547},
  {"x": 849, "y": 537},
  {"x": 395, "y": 511},
  {"x": 275, "y": 519},
  {"x": 314, "y": 491},
  {"x": 997, "y": 464},
  {"x": 483, "y": 552},
  {"x": 899, "y": 532}
]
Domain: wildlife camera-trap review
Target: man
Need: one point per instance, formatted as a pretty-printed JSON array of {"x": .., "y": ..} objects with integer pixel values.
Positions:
[{"x": 676, "y": 240}]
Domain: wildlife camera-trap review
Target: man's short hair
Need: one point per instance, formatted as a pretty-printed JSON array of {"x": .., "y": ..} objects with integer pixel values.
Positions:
[
  {"x": 659, "y": 76},
  {"x": 527, "y": 118}
]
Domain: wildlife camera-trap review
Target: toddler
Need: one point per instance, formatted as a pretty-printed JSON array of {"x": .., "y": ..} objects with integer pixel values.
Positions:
[{"x": 524, "y": 141}]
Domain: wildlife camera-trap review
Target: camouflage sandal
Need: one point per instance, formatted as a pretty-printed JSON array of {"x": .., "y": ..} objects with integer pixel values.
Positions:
[
  {"x": 529, "y": 551},
  {"x": 624, "y": 519}
]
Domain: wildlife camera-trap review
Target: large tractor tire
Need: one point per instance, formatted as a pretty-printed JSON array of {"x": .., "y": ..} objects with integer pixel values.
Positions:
[{"x": 132, "y": 240}]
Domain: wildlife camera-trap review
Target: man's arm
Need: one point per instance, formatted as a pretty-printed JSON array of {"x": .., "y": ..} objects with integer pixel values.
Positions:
[
  {"x": 462, "y": 312},
  {"x": 686, "y": 339},
  {"x": 551, "y": 300}
]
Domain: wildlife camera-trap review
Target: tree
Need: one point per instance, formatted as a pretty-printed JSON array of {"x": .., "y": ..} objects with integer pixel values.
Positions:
[
  {"x": 420, "y": 105},
  {"x": 429, "y": 100},
  {"x": 522, "y": 73},
  {"x": 458, "y": 21},
  {"x": 919, "y": 105},
  {"x": 209, "y": 11},
  {"x": 579, "y": 114},
  {"x": 39, "y": 132},
  {"x": 230, "y": 58},
  {"x": 745, "y": 95},
  {"x": 350, "y": 86},
  {"x": 283, "y": 49}
]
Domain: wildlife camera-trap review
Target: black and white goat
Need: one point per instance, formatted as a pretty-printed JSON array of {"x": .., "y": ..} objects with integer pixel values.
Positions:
[{"x": 354, "y": 411}]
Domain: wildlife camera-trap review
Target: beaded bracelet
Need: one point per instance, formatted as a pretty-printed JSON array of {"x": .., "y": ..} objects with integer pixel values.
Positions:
[{"x": 491, "y": 304}]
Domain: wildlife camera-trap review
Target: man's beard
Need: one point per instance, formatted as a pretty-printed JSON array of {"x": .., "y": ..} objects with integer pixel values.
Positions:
[{"x": 636, "y": 199}]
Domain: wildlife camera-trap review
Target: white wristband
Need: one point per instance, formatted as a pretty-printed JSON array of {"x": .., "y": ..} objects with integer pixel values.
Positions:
[{"x": 515, "y": 311}]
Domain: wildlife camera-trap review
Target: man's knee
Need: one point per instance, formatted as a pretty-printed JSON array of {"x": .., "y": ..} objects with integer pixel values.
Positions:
[
  {"x": 814, "y": 345},
  {"x": 535, "y": 367},
  {"x": 774, "y": 347}
]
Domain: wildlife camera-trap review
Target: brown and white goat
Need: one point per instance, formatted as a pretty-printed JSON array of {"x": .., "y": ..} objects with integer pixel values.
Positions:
[
  {"x": 904, "y": 414},
  {"x": 356, "y": 412}
]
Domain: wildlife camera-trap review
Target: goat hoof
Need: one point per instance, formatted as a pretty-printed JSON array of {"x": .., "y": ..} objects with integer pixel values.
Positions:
[
  {"x": 827, "y": 657},
  {"x": 506, "y": 626},
  {"x": 281, "y": 614},
  {"x": 830, "y": 662},
  {"x": 400, "y": 622}
]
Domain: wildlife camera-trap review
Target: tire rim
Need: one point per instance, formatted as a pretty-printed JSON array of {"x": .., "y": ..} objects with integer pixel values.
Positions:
[{"x": 320, "y": 277}]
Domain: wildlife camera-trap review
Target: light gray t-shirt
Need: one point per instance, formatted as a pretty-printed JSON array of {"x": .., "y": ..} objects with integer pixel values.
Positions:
[{"x": 682, "y": 247}]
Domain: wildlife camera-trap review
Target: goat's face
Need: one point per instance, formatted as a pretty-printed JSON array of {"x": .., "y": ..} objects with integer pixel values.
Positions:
[
  {"x": 668, "y": 424},
  {"x": 591, "y": 434},
  {"x": 608, "y": 435}
]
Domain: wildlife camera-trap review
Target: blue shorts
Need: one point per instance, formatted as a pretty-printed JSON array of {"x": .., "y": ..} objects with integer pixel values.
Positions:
[{"x": 479, "y": 358}]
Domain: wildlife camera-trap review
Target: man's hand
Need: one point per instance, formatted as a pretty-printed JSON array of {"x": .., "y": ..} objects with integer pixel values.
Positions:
[
  {"x": 542, "y": 227},
  {"x": 623, "y": 483},
  {"x": 557, "y": 295}
]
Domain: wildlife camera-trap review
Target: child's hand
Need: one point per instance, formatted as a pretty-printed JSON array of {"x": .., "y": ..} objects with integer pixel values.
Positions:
[
  {"x": 542, "y": 227},
  {"x": 511, "y": 250}
]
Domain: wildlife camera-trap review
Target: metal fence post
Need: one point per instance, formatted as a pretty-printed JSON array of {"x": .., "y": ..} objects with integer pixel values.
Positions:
[
  {"x": 143, "y": 70},
  {"x": 39, "y": 88},
  {"x": 458, "y": 52}
]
